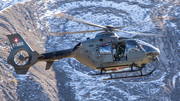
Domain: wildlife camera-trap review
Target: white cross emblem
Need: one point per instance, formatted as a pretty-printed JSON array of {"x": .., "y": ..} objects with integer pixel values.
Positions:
[{"x": 16, "y": 40}]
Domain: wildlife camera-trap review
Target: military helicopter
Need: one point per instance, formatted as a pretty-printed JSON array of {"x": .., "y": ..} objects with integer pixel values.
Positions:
[{"x": 107, "y": 52}]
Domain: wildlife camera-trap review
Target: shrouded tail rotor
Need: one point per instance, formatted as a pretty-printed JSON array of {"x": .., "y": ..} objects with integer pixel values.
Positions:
[{"x": 21, "y": 58}]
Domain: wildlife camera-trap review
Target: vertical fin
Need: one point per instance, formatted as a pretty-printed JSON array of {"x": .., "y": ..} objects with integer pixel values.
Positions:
[
  {"x": 48, "y": 64},
  {"x": 21, "y": 71}
]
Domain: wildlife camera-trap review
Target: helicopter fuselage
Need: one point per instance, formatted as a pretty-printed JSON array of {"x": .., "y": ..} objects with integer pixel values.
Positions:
[{"x": 99, "y": 52}]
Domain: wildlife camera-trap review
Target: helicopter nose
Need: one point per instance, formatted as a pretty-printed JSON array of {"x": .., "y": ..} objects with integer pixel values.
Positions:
[
  {"x": 153, "y": 54},
  {"x": 158, "y": 51}
]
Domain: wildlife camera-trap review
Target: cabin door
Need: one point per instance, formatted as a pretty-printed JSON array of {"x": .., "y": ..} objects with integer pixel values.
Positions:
[{"x": 133, "y": 51}]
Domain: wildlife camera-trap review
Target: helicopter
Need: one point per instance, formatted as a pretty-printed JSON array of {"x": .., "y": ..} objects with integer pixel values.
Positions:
[{"x": 107, "y": 52}]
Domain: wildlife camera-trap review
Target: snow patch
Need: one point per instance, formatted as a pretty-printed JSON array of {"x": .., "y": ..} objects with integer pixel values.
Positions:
[
  {"x": 136, "y": 11},
  {"x": 127, "y": 95},
  {"x": 21, "y": 77},
  {"x": 174, "y": 79},
  {"x": 173, "y": 25},
  {"x": 178, "y": 43},
  {"x": 7, "y": 3},
  {"x": 7, "y": 0},
  {"x": 146, "y": 2}
]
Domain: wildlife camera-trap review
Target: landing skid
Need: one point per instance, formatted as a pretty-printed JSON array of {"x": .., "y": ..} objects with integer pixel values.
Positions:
[
  {"x": 132, "y": 70},
  {"x": 129, "y": 76},
  {"x": 121, "y": 71}
]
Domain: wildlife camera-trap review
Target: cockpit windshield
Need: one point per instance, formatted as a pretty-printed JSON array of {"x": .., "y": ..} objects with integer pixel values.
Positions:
[
  {"x": 146, "y": 46},
  {"x": 132, "y": 46}
]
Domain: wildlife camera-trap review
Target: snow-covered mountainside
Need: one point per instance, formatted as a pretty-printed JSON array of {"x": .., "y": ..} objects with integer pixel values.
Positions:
[
  {"x": 70, "y": 80},
  {"x": 7, "y": 3}
]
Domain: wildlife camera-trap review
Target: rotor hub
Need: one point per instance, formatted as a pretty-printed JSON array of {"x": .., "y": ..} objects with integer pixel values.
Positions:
[
  {"x": 109, "y": 28},
  {"x": 21, "y": 57}
]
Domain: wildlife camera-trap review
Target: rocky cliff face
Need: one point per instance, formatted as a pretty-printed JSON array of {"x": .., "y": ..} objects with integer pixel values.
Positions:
[{"x": 70, "y": 80}]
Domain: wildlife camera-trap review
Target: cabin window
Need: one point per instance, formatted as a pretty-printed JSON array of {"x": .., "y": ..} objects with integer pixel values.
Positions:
[
  {"x": 106, "y": 49},
  {"x": 132, "y": 46}
]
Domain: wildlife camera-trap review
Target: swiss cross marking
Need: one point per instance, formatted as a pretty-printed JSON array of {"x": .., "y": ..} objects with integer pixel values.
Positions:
[
  {"x": 17, "y": 43},
  {"x": 16, "y": 40}
]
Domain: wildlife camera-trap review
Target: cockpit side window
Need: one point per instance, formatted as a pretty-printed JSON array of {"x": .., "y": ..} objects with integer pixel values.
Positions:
[
  {"x": 146, "y": 46},
  {"x": 132, "y": 46},
  {"x": 106, "y": 49}
]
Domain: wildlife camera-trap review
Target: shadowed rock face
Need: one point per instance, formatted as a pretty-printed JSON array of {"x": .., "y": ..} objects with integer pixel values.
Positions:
[{"x": 70, "y": 80}]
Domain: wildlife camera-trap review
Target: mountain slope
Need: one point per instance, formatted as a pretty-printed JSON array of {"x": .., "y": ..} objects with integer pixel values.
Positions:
[{"x": 70, "y": 80}]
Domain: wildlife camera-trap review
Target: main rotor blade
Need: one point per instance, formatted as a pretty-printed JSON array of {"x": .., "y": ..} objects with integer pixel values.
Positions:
[
  {"x": 77, "y": 20},
  {"x": 137, "y": 33},
  {"x": 64, "y": 33},
  {"x": 118, "y": 27},
  {"x": 131, "y": 25}
]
